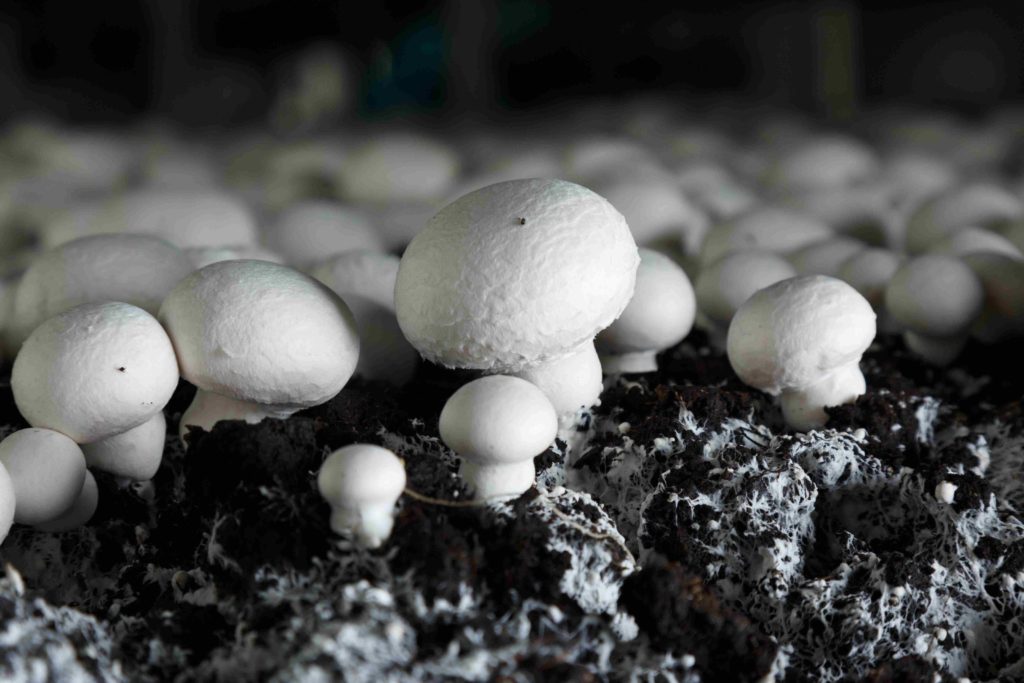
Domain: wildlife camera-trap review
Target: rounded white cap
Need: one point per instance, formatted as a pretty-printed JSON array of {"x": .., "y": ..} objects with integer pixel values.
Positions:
[
  {"x": 498, "y": 420},
  {"x": 935, "y": 295},
  {"x": 869, "y": 271},
  {"x": 480, "y": 288},
  {"x": 656, "y": 210},
  {"x": 7, "y": 503},
  {"x": 826, "y": 256},
  {"x": 95, "y": 371},
  {"x": 659, "y": 315},
  {"x": 794, "y": 333},
  {"x": 723, "y": 286},
  {"x": 261, "y": 332},
  {"x": 361, "y": 474},
  {"x": 826, "y": 162},
  {"x": 763, "y": 227},
  {"x": 135, "y": 454},
  {"x": 47, "y": 470},
  {"x": 314, "y": 230},
  {"x": 136, "y": 269},
  {"x": 979, "y": 205},
  {"x": 398, "y": 167},
  {"x": 80, "y": 512},
  {"x": 1002, "y": 278},
  {"x": 370, "y": 274}
]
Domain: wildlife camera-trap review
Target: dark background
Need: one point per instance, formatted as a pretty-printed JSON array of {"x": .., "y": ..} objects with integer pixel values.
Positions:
[{"x": 204, "y": 61}]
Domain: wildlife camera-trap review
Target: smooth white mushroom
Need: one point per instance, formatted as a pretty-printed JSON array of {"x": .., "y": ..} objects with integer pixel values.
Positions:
[
  {"x": 315, "y": 230},
  {"x": 497, "y": 425},
  {"x": 570, "y": 383},
  {"x": 722, "y": 287},
  {"x": 47, "y": 470},
  {"x": 979, "y": 205},
  {"x": 935, "y": 299},
  {"x": 865, "y": 212},
  {"x": 515, "y": 276},
  {"x": 659, "y": 315},
  {"x": 95, "y": 371},
  {"x": 7, "y": 503},
  {"x": 80, "y": 512},
  {"x": 763, "y": 227},
  {"x": 134, "y": 454},
  {"x": 136, "y": 269},
  {"x": 869, "y": 271},
  {"x": 802, "y": 339},
  {"x": 362, "y": 483},
  {"x": 266, "y": 339},
  {"x": 366, "y": 281},
  {"x": 975, "y": 240},
  {"x": 398, "y": 167},
  {"x": 827, "y": 161}
]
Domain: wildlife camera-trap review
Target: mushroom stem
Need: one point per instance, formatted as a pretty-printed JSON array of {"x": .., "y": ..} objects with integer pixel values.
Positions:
[
  {"x": 633, "y": 362},
  {"x": 804, "y": 409},
  {"x": 935, "y": 350},
  {"x": 572, "y": 384},
  {"x": 371, "y": 523},
  {"x": 208, "y": 408},
  {"x": 497, "y": 481}
]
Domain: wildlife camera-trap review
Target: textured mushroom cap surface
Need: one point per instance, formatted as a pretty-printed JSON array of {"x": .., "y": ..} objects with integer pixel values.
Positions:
[
  {"x": 261, "y": 332},
  {"x": 314, "y": 230},
  {"x": 94, "y": 371},
  {"x": 795, "y": 332},
  {"x": 935, "y": 295},
  {"x": 763, "y": 227},
  {"x": 979, "y": 205},
  {"x": 47, "y": 470},
  {"x": 478, "y": 288},
  {"x": 661, "y": 312},
  {"x": 498, "y": 420},
  {"x": 361, "y": 473},
  {"x": 136, "y": 269},
  {"x": 7, "y": 503},
  {"x": 723, "y": 286},
  {"x": 370, "y": 274}
]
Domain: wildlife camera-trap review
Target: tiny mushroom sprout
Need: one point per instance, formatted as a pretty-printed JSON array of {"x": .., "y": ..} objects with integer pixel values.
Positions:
[
  {"x": 497, "y": 425},
  {"x": 518, "y": 276},
  {"x": 47, "y": 470},
  {"x": 659, "y": 315},
  {"x": 136, "y": 269},
  {"x": 95, "y": 371},
  {"x": 361, "y": 483},
  {"x": 935, "y": 299},
  {"x": 258, "y": 339},
  {"x": 802, "y": 339},
  {"x": 722, "y": 287},
  {"x": 7, "y": 502}
]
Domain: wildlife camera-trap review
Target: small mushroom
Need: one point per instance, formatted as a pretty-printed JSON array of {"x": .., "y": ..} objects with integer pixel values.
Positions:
[
  {"x": 398, "y": 167},
  {"x": 1002, "y": 278},
  {"x": 977, "y": 241},
  {"x": 978, "y": 205},
  {"x": 80, "y": 512},
  {"x": 361, "y": 483},
  {"x": 823, "y": 162},
  {"x": 935, "y": 299},
  {"x": 95, "y": 371},
  {"x": 497, "y": 425},
  {"x": 134, "y": 454},
  {"x": 869, "y": 271},
  {"x": 763, "y": 227},
  {"x": 571, "y": 384},
  {"x": 825, "y": 257},
  {"x": 802, "y": 339},
  {"x": 308, "y": 232},
  {"x": 659, "y": 315},
  {"x": 7, "y": 503},
  {"x": 47, "y": 470},
  {"x": 266, "y": 339}
]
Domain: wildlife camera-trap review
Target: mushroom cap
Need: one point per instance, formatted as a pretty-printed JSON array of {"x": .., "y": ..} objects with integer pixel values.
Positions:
[
  {"x": 369, "y": 274},
  {"x": 1002, "y": 278},
  {"x": 655, "y": 209},
  {"x": 398, "y": 167},
  {"x": 80, "y": 512},
  {"x": 313, "y": 230},
  {"x": 359, "y": 474},
  {"x": 825, "y": 257},
  {"x": 94, "y": 371},
  {"x": 261, "y": 332},
  {"x": 976, "y": 240},
  {"x": 794, "y": 333},
  {"x": 980, "y": 205},
  {"x": 136, "y": 269},
  {"x": 763, "y": 227},
  {"x": 826, "y": 162},
  {"x": 7, "y": 502},
  {"x": 477, "y": 288},
  {"x": 498, "y": 420},
  {"x": 660, "y": 313},
  {"x": 869, "y": 271},
  {"x": 935, "y": 295},
  {"x": 723, "y": 286},
  {"x": 47, "y": 470}
]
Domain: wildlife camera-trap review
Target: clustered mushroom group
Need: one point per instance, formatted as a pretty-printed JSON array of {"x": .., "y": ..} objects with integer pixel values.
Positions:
[{"x": 269, "y": 297}]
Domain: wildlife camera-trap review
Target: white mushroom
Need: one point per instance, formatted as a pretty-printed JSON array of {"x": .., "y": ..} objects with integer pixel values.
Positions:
[
  {"x": 975, "y": 240},
  {"x": 514, "y": 276},
  {"x": 315, "y": 230},
  {"x": 825, "y": 162},
  {"x": 802, "y": 339},
  {"x": 763, "y": 227},
  {"x": 362, "y": 483},
  {"x": 935, "y": 299},
  {"x": 825, "y": 257},
  {"x": 204, "y": 256},
  {"x": 366, "y": 281},
  {"x": 95, "y": 371},
  {"x": 1002, "y": 278},
  {"x": 134, "y": 454},
  {"x": 47, "y": 470},
  {"x": 659, "y": 315},
  {"x": 136, "y": 269},
  {"x": 497, "y": 425},
  {"x": 570, "y": 383},
  {"x": 7, "y": 503},
  {"x": 979, "y": 205},
  {"x": 265, "y": 338},
  {"x": 398, "y": 167},
  {"x": 723, "y": 286},
  {"x": 80, "y": 512},
  {"x": 869, "y": 271}
]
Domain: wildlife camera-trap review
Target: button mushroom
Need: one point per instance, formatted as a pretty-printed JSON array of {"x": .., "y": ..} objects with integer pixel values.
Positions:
[
  {"x": 47, "y": 470},
  {"x": 361, "y": 483},
  {"x": 134, "y": 454},
  {"x": 802, "y": 339}
]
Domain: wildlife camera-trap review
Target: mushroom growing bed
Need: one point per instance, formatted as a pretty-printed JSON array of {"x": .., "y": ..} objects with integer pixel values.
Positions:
[{"x": 688, "y": 535}]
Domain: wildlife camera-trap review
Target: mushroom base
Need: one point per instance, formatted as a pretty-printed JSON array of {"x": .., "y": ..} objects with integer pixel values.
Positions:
[
  {"x": 498, "y": 481},
  {"x": 371, "y": 524},
  {"x": 629, "y": 363},
  {"x": 804, "y": 409},
  {"x": 208, "y": 408}
]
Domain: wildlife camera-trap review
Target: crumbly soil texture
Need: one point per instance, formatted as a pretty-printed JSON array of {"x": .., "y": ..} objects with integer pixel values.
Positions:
[{"x": 682, "y": 533}]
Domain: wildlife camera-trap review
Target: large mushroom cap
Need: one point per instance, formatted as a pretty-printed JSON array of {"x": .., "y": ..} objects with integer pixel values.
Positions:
[
  {"x": 515, "y": 274},
  {"x": 94, "y": 371},
  {"x": 797, "y": 331},
  {"x": 261, "y": 332}
]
